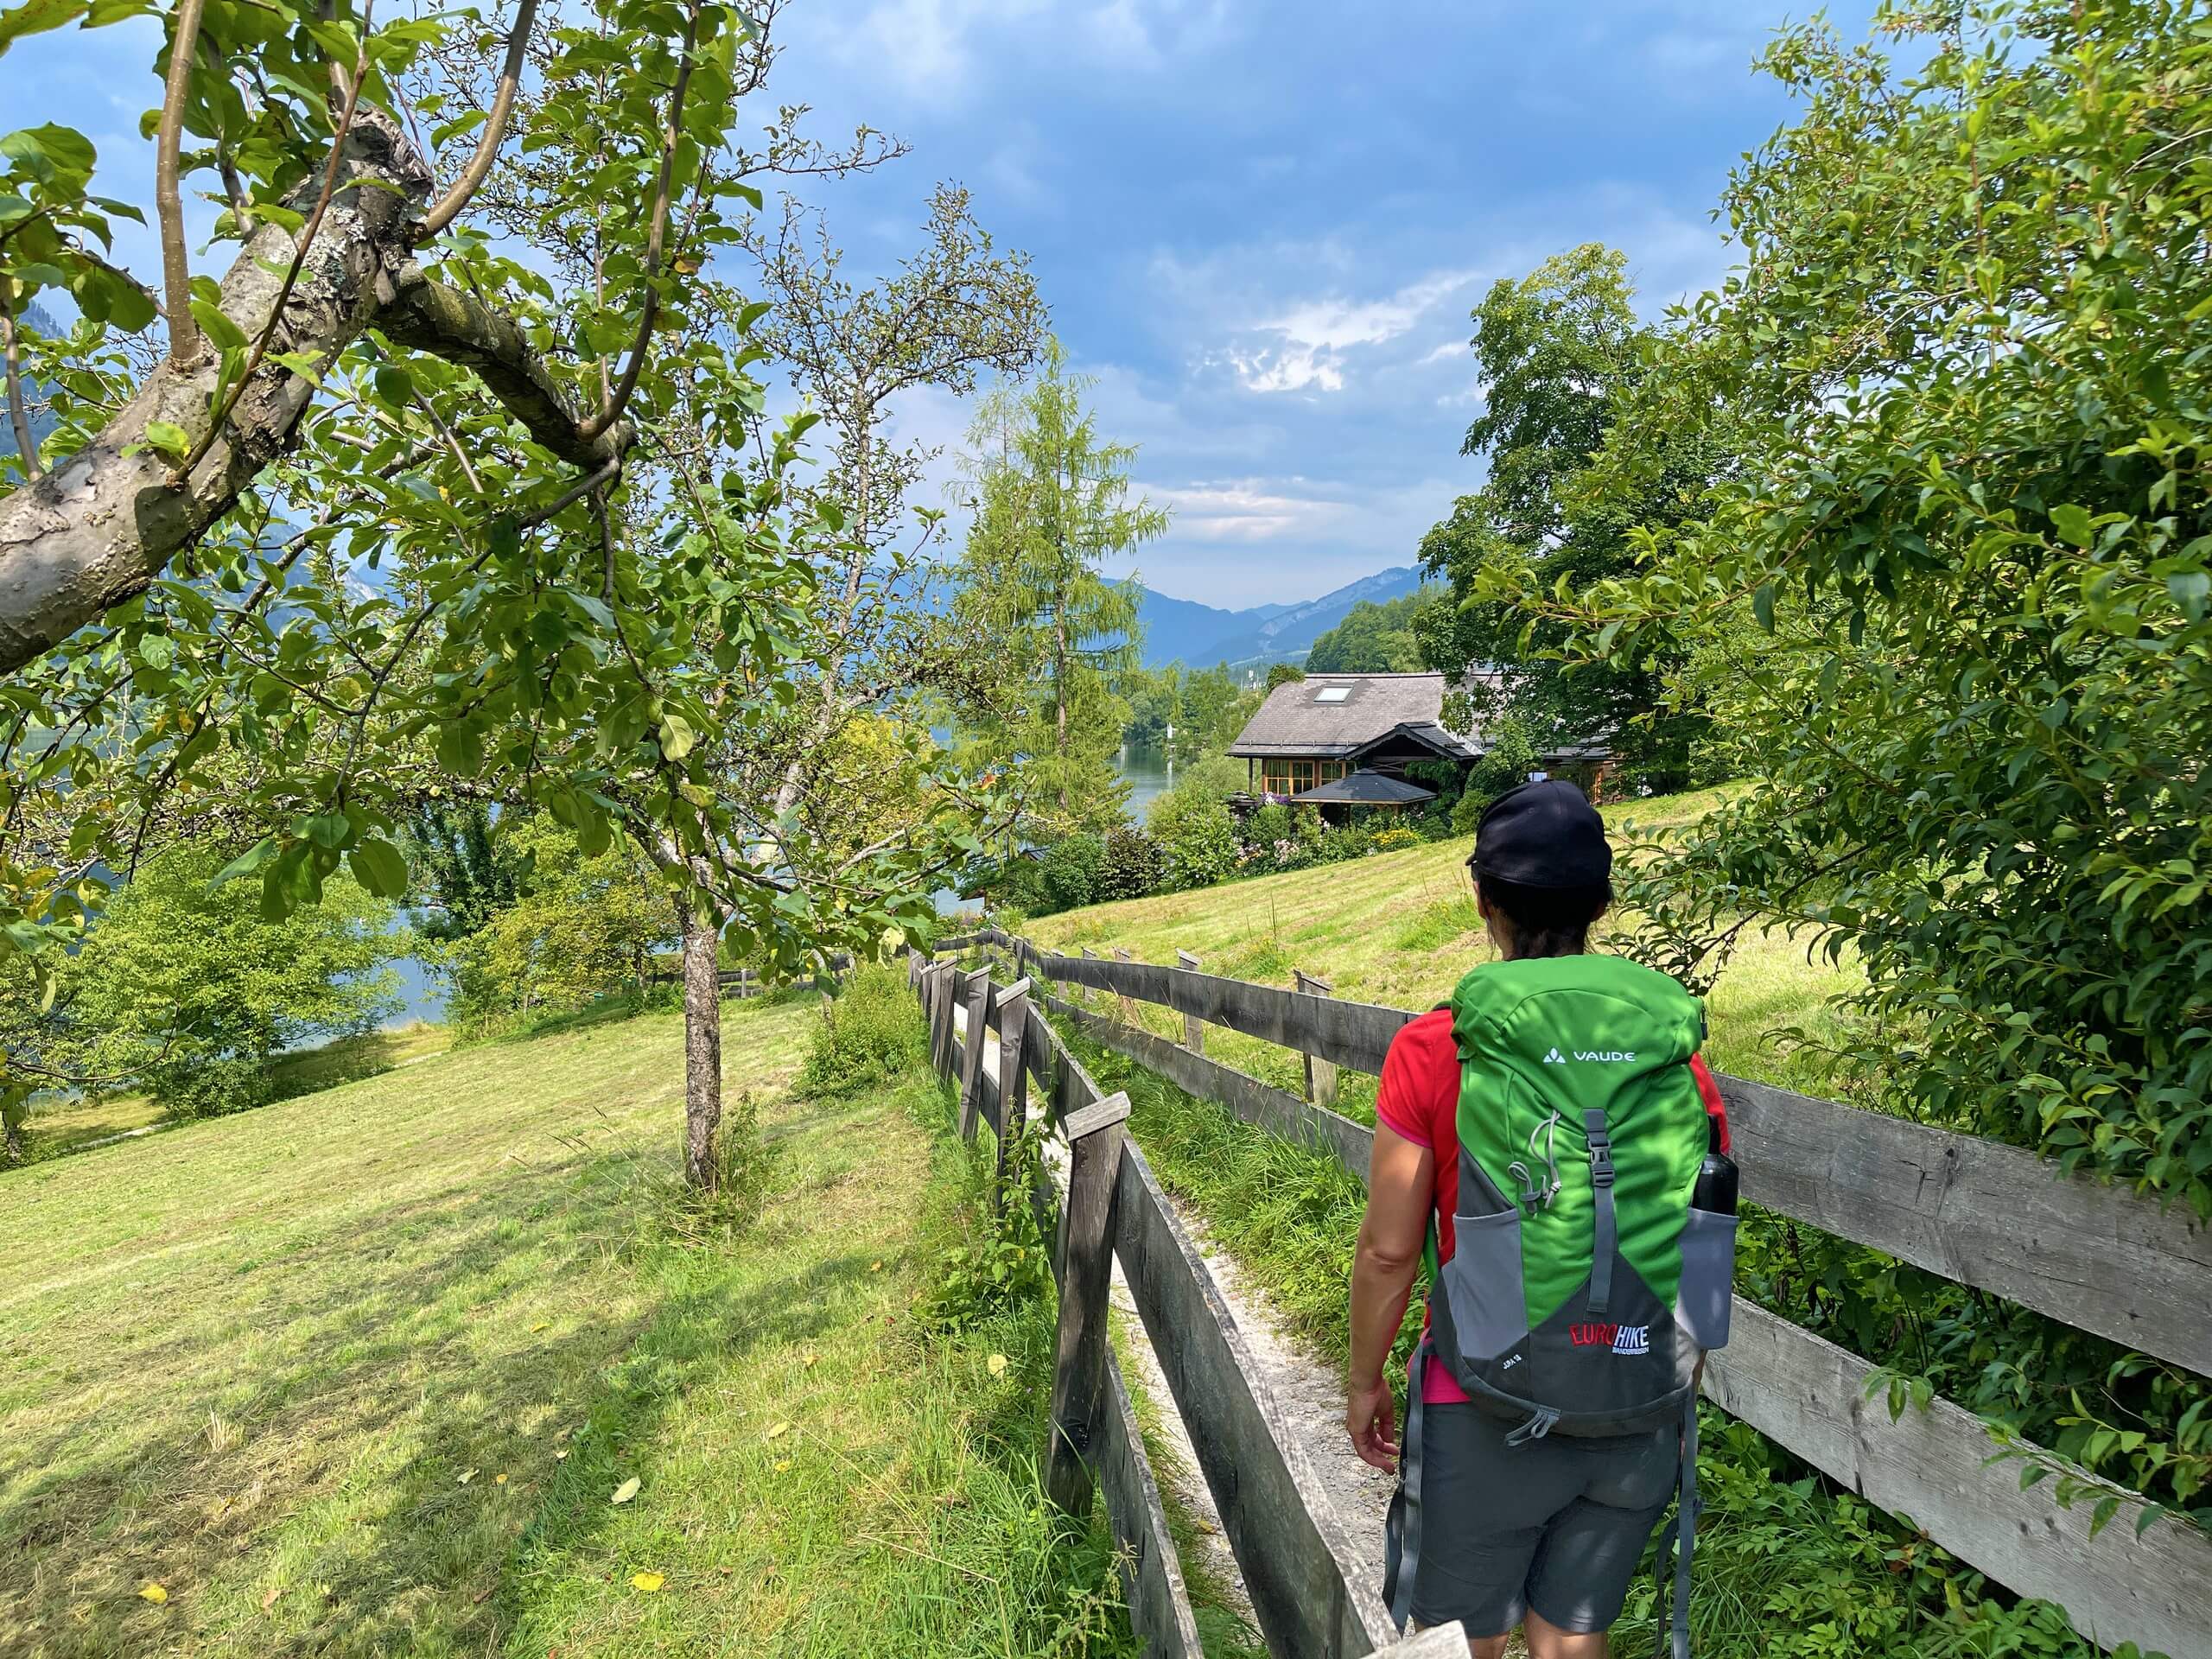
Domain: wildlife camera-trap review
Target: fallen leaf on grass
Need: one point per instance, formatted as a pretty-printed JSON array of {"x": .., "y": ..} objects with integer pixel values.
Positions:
[
  {"x": 499, "y": 1480},
  {"x": 468, "y": 1475},
  {"x": 543, "y": 1325},
  {"x": 779, "y": 1431},
  {"x": 995, "y": 1364},
  {"x": 809, "y": 1360},
  {"x": 782, "y": 1464},
  {"x": 484, "y": 1595},
  {"x": 270, "y": 1600},
  {"x": 875, "y": 1267},
  {"x": 561, "y": 1456},
  {"x": 647, "y": 1582},
  {"x": 626, "y": 1491},
  {"x": 155, "y": 1593}
]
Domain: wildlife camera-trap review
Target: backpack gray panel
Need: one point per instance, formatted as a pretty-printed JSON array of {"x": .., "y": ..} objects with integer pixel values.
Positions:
[
  {"x": 1702, "y": 1304},
  {"x": 1482, "y": 1281}
]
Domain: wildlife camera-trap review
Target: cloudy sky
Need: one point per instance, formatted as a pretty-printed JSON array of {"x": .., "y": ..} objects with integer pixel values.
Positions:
[{"x": 1259, "y": 224}]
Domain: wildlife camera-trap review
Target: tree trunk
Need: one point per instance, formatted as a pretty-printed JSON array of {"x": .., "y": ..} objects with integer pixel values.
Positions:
[
  {"x": 702, "y": 1047},
  {"x": 15, "y": 1152}
]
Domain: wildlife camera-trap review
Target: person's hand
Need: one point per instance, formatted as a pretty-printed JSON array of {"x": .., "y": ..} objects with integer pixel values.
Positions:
[{"x": 1370, "y": 1420}]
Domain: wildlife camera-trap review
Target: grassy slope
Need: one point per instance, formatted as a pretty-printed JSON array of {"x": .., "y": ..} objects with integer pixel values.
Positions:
[
  {"x": 359, "y": 1372},
  {"x": 58, "y": 1125},
  {"x": 1399, "y": 928}
]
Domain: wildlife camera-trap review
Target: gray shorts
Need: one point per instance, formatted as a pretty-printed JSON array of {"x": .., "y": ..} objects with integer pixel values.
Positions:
[{"x": 1558, "y": 1524}]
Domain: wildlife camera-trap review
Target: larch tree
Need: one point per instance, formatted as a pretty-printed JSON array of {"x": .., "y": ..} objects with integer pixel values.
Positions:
[{"x": 1051, "y": 503}]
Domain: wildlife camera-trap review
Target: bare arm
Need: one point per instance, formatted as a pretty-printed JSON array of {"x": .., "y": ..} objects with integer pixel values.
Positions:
[{"x": 1401, "y": 1190}]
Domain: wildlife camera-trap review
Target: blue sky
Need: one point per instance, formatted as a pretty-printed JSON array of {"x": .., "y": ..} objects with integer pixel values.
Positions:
[{"x": 1260, "y": 226}]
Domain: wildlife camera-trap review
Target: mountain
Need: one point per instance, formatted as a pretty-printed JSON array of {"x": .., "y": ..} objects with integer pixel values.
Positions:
[{"x": 1200, "y": 636}]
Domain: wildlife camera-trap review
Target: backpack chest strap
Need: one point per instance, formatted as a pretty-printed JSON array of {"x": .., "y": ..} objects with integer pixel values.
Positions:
[{"x": 1605, "y": 1225}]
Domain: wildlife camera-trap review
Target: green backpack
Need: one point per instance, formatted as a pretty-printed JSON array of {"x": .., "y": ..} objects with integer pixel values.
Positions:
[{"x": 1584, "y": 1287}]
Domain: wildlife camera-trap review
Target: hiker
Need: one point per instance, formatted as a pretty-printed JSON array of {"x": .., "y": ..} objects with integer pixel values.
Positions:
[{"x": 1549, "y": 1136}]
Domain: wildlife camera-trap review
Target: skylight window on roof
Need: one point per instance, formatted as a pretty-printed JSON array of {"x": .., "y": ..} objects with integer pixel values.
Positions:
[{"x": 1332, "y": 694}]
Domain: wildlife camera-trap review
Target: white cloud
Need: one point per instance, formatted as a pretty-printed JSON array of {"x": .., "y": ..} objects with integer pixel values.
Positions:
[
  {"x": 1312, "y": 336},
  {"x": 1247, "y": 510}
]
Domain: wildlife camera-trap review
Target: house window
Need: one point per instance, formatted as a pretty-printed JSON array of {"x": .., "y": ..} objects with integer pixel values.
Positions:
[{"x": 1280, "y": 777}]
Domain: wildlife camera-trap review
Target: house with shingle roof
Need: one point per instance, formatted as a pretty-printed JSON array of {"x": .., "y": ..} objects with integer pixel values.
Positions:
[{"x": 1346, "y": 740}]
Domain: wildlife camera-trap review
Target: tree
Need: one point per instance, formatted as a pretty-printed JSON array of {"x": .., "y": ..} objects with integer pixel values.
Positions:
[
  {"x": 1955, "y": 596},
  {"x": 1050, "y": 503},
  {"x": 1560, "y": 351},
  {"x": 192, "y": 994},
  {"x": 1373, "y": 638},
  {"x": 374, "y": 527},
  {"x": 1284, "y": 674}
]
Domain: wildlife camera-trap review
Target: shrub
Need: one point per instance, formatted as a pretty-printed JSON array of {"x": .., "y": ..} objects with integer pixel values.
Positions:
[
  {"x": 1270, "y": 824},
  {"x": 1397, "y": 837},
  {"x": 1197, "y": 835},
  {"x": 1067, "y": 876},
  {"x": 1129, "y": 865},
  {"x": 869, "y": 1035},
  {"x": 188, "y": 990}
]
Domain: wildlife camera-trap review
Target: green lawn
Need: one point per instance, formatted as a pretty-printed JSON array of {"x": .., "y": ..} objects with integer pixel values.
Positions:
[
  {"x": 360, "y": 1373},
  {"x": 1399, "y": 928}
]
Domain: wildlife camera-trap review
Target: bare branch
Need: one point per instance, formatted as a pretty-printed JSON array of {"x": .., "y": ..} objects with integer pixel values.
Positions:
[
  {"x": 487, "y": 147},
  {"x": 575, "y": 492},
  {"x": 17, "y": 415},
  {"x": 611, "y": 411},
  {"x": 177, "y": 265},
  {"x": 235, "y": 187},
  {"x": 453, "y": 443}
]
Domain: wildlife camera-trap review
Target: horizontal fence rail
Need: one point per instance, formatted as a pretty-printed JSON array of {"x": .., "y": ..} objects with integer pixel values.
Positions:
[
  {"x": 1290, "y": 1553},
  {"x": 2101, "y": 1258}
]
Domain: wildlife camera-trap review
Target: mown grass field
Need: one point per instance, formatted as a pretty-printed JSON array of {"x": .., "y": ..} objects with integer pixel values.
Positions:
[
  {"x": 1399, "y": 928},
  {"x": 361, "y": 1373}
]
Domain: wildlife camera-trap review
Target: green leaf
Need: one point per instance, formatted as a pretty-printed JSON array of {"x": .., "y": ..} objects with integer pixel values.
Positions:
[
  {"x": 676, "y": 736},
  {"x": 460, "y": 750},
  {"x": 35, "y": 17},
  {"x": 378, "y": 867},
  {"x": 1763, "y": 605},
  {"x": 329, "y": 828},
  {"x": 2073, "y": 524},
  {"x": 247, "y": 861},
  {"x": 156, "y": 650},
  {"x": 169, "y": 438},
  {"x": 2189, "y": 590},
  {"x": 217, "y": 327}
]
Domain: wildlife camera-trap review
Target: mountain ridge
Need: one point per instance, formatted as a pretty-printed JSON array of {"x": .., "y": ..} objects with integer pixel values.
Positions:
[{"x": 1201, "y": 636}]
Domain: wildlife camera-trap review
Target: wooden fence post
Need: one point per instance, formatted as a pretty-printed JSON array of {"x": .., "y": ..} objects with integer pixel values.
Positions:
[
  {"x": 1094, "y": 1134},
  {"x": 1194, "y": 1029},
  {"x": 971, "y": 1056},
  {"x": 1128, "y": 1009},
  {"x": 941, "y": 1019},
  {"x": 1013, "y": 1082},
  {"x": 1321, "y": 1075}
]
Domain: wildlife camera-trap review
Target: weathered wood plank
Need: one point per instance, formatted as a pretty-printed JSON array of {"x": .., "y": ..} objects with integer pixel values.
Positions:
[
  {"x": 1353, "y": 1034},
  {"x": 1437, "y": 1641},
  {"x": 977, "y": 1002},
  {"x": 1194, "y": 1029},
  {"x": 1275, "y": 1110},
  {"x": 1010, "y": 1084},
  {"x": 940, "y": 1006},
  {"x": 1152, "y": 1577},
  {"x": 1291, "y": 1554},
  {"x": 1321, "y": 1075},
  {"x": 1095, "y": 1137},
  {"x": 1932, "y": 1466},
  {"x": 2101, "y": 1258}
]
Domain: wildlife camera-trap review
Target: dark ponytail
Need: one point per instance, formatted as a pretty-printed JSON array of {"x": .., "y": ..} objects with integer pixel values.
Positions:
[{"x": 1546, "y": 921}]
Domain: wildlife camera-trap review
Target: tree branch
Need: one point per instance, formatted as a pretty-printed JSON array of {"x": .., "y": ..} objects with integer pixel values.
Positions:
[
  {"x": 177, "y": 265},
  {"x": 611, "y": 410},
  {"x": 448, "y": 206},
  {"x": 16, "y": 414}
]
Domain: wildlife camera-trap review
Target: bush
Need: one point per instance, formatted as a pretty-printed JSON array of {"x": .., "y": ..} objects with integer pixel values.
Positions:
[
  {"x": 188, "y": 990},
  {"x": 1129, "y": 865},
  {"x": 871, "y": 1035},
  {"x": 1397, "y": 837},
  {"x": 1067, "y": 876},
  {"x": 1197, "y": 835}
]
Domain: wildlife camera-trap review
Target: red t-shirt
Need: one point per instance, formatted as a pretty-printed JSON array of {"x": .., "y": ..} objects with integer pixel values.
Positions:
[{"x": 1418, "y": 1098}]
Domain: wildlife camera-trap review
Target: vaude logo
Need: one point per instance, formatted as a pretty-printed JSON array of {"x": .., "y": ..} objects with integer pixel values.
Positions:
[
  {"x": 1554, "y": 1058},
  {"x": 1602, "y": 1056}
]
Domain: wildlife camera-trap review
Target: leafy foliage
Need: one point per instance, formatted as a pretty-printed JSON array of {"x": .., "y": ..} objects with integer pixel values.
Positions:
[
  {"x": 1562, "y": 354},
  {"x": 1374, "y": 638},
  {"x": 1953, "y": 602},
  {"x": 871, "y": 1035},
  {"x": 191, "y": 993},
  {"x": 1130, "y": 863},
  {"x": 1197, "y": 834}
]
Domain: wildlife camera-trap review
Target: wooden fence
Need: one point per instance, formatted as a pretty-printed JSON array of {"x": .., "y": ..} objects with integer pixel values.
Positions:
[
  {"x": 994, "y": 1048},
  {"x": 2100, "y": 1258}
]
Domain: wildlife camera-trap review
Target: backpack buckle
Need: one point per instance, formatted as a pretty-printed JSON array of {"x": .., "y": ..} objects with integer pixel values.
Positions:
[{"x": 1601, "y": 1158}]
